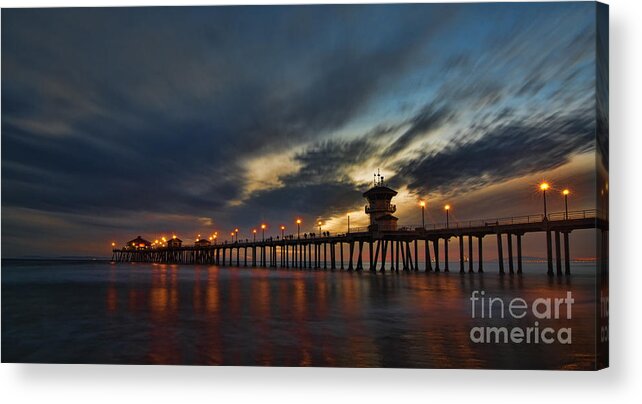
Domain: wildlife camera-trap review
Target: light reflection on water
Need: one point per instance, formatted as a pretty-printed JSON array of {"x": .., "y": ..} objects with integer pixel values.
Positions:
[{"x": 169, "y": 314}]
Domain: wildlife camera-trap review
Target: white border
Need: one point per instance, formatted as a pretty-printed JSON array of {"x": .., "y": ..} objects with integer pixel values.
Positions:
[{"x": 175, "y": 384}]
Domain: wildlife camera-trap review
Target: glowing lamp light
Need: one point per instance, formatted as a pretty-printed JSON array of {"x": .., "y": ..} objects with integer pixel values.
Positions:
[
  {"x": 447, "y": 207},
  {"x": 422, "y": 204},
  {"x": 544, "y": 186},
  {"x": 282, "y": 227},
  {"x": 254, "y": 231},
  {"x": 263, "y": 226},
  {"x": 174, "y": 236},
  {"x": 298, "y": 221},
  {"x": 319, "y": 223},
  {"x": 113, "y": 244},
  {"x": 566, "y": 192}
]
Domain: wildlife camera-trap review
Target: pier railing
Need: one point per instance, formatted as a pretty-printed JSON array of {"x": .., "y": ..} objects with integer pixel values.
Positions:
[{"x": 497, "y": 221}]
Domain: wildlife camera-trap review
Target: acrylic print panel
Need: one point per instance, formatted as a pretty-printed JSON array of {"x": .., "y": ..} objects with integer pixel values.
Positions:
[{"x": 415, "y": 186}]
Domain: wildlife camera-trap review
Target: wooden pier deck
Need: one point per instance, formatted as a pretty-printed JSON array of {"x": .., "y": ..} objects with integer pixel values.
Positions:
[{"x": 392, "y": 250}]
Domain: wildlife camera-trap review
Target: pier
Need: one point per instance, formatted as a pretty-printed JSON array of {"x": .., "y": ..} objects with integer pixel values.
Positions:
[{"x": 378, "y": 248}]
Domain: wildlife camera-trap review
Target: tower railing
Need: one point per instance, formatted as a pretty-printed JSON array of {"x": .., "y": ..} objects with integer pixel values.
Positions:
[{"x": 390, "y": 208}]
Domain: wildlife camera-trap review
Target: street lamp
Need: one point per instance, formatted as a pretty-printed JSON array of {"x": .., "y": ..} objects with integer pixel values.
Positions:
[
  {"x": 254, "y": 234},
  {"x": 319, "y": 224},
  {"x": 543, "y": 187},
  {"x": 113, "y": 244},
  {"x": 232, "y": 234},
  {"x": 282, "y": 231},
  {"x": 447, "y": 208},
  {"x": 423, "y": 208},
  {"x": 263, "y": 226},
  {"x": 298, "y": 228},
  {"x": 348, "y": 223},
  {"x": 565, "y": 193},
  {"x": 237, "y": 234}
]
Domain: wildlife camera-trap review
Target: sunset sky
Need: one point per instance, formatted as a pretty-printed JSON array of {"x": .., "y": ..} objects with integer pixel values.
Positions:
[{"x": 153, "y": 121}]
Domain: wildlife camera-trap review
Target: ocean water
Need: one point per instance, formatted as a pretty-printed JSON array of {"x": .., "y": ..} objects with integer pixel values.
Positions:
[{"x": 101, "y": 312}]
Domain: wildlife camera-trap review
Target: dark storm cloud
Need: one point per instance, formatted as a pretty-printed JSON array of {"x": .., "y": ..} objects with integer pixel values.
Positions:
[
  {"x": 320, "y": 188},
  {"x": 508, "y": 151},
  {"x": 330, "y": 160},
  {"x": 430, "y": 118},
  {"x": 155, "y": 116}
]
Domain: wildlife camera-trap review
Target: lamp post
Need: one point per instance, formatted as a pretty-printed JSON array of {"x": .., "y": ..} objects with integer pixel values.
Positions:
[
  {"x": 254, "y": 235},
  {"x": 543, "y": 187},
  {"x": 236, "y": 231},
  {"x": 232, "y": 234},
  {"x": 263, "y": 230},
  {"x": 319, "y": 224},
  {"x": 298, "y": 228},
  {"x": 282, "y": 231},
  {"x": 423, "y": 208},
  {"x": 447, "y": 208},
  {"x": 348, "y": 223},
  {"x": 565, "y": 193}
]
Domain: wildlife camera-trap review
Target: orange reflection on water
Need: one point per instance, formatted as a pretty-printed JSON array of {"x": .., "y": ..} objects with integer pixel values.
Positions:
[
  {"x": 212, "y": 290},
  {"x": 196, "y": 290},
  {"x": 209, "y": 342},
  {"x": 112, "y": 299},
  {"x": 261, "y": 310},
  {"x": 163, "y": 300}
]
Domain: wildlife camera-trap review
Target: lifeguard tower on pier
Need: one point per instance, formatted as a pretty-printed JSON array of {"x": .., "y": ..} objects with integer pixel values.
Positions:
[{"x": 379, "y": 207}]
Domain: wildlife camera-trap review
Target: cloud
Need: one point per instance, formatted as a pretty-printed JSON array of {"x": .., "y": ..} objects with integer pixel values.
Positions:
[
  {"x": 508, "y": 151},
  {"x": 430, "y": 118}
]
